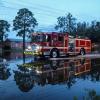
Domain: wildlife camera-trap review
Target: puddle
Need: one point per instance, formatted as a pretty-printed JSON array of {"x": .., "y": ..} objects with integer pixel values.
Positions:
[{"x": 49, "y": 79}]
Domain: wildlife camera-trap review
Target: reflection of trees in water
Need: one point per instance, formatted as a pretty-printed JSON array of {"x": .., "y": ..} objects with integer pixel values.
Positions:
[
  {"x": 70, "y": 82},
  {"x": 90, "y": 95},
  {"x": 56, "y": 77},
  {"x": 55, "y": 73},
  {"x": 84, "y": 76},
  {"x": 4, "y": 72},
  {"x": 71, "y": 79},
  {"x": 41, "y": 79},
  {"x": 95, "y": 70},
  {"x": 95, "y": 74},
  {"x": 24, "y": 79}
]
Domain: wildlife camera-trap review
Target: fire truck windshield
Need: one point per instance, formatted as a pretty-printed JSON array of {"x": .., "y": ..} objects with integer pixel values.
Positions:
[{"x": 39, "y": 38}]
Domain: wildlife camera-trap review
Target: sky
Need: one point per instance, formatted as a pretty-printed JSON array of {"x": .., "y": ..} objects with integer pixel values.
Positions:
[{"x": 47, "y": 11}]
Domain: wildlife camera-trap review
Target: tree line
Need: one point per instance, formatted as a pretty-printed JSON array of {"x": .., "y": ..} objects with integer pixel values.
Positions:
[
  {"x": 24, "y": 24},
  {"x": 69, "y": 24}
]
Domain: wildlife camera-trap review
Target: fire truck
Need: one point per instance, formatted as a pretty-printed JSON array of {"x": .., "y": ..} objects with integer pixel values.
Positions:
[{"x": 57, "y": 44}]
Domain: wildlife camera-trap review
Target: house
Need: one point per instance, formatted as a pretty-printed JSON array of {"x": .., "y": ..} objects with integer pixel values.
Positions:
[{"x": 16, "y": 43}]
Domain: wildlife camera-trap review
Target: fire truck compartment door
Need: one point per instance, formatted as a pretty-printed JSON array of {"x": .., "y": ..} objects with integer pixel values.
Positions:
[
  {"x": 71, "y": 45},
  {"x": 54, "y": 40}
]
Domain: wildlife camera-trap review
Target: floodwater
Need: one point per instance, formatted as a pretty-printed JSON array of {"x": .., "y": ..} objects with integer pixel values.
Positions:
[{"x": 48, "y": 80}]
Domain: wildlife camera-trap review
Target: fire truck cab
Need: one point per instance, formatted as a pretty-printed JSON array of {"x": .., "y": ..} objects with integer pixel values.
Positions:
[{"x": 57, "y": 44}]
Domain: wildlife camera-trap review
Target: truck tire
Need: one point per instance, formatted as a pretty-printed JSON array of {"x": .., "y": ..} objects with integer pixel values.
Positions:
[
  {"x": 54, "y": 53},
  {"x": 82, "y": 51}
]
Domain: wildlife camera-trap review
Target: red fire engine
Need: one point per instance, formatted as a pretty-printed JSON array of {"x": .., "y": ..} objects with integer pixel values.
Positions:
[{"x": 57, "y": 44}]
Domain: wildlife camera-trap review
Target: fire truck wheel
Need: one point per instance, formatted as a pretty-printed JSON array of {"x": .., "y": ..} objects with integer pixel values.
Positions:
[
  {"x": 54, "y": 53},
  {"x": 82, "y": 51}
]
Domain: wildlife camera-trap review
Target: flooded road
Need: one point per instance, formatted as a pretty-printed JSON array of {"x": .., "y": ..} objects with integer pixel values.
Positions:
[{"x": 49, "y": 79}]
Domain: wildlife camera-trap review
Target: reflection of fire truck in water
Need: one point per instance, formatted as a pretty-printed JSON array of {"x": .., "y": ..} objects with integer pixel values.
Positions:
[
  {"x": 57, "y": 44},
  {"x": 65, "y": 71},
  {"x": 53, "y": 72},
  {"x": 77, "y": 67}
]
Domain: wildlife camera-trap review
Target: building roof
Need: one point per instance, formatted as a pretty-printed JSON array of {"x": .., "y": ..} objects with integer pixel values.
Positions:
[{"x": 18, "y": 40}]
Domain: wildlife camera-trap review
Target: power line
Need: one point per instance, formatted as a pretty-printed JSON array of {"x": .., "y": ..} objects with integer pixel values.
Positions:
[
  {"x": 39, "y": 7},
  {"x": 43, "y": 20},
  {"x": 39, "y": 20},
  {"x": 12, "y": 8},
  {"x": 57, "y": 10},
  {"x": 40, "y": 27},
  {"x": 49, "y": 12},
  {"x": 44, "y": 6}
]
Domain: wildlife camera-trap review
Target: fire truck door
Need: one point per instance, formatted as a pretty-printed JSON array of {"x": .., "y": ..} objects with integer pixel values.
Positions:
[
  {"x": 71, "y": 45},
  {"x": 54, "y": 40}
]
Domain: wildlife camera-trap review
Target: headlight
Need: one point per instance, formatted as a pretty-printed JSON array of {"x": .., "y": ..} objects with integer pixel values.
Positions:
[
  {"x": 38, "y": 47},
  {"x": 33, "y": 47},
  {"x": 29, "y": 47}
]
